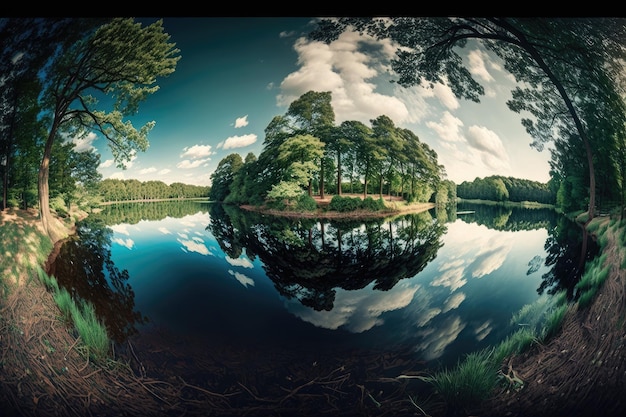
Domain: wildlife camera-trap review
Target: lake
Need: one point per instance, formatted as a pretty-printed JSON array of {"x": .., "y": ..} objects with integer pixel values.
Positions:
[{"x": 224, "y": 297}]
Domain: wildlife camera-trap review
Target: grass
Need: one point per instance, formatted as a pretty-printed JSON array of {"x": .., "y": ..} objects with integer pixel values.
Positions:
[{"x": 82, "y": 315}]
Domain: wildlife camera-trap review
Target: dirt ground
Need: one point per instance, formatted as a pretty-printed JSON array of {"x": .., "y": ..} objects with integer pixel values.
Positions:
[{"x": 45, "y": 372}]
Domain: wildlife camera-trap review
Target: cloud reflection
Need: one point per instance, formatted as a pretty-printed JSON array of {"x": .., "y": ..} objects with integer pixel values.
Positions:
[
  {"x": 242, "y": 278},
  {"x": 193, "y": 246},
  {"x": 356, "y": 311}
]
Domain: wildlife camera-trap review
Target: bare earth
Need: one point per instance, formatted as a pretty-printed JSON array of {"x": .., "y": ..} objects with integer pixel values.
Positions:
[{"x": 43, "y": 372}]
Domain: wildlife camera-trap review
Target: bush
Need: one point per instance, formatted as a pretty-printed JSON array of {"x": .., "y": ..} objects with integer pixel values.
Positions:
[
  {"x": 373, "y": 205},
  {"x": 306, "y": 203}
]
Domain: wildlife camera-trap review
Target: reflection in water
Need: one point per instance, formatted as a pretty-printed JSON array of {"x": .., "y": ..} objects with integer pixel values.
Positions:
[
  {"x": 310, "y": 261},
  {"x": 234, "y": 278},
  {"x": 84, "y": 267}
]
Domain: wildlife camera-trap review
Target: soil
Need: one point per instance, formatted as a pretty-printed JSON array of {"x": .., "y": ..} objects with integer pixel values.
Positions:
[{"x": 44, "y": 371}]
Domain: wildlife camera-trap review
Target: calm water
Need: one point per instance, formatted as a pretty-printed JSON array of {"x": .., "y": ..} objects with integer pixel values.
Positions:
[{"x": 192, "y": 284}]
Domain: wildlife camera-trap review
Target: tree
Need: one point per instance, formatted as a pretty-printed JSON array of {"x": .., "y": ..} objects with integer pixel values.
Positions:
[
  {"x": 223, "y": 176},
  {"x": 563, "y": 64},
  {"x": 120, "y": 59},
  {"x": 312, "y": 114}
]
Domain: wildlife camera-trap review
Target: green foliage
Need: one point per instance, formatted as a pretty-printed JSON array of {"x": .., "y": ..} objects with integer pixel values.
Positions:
[
  {"x": 306, "y": 203},
  {"x": 92, "y": 332},
  {"x": 285, "y": 191},
  {"x": 554, "y": 321},
  {"x": 469, "y": 383},
  {"x": 344, "y": 204}
]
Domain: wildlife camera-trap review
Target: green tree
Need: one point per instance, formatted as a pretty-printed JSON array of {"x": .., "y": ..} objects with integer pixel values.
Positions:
[
  {"x": 563, "y": 64},
  {"x": 120, "y": 59},
  {"x": 302, "y": 154},
  {"x": 224, "y": 175},
  {"x": 312, "y": 114}
]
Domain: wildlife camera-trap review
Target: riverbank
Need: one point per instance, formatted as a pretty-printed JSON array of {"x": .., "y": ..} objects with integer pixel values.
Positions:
[
  {"x": 44, "y": 370},
  {"x": 394, "y": 207}
]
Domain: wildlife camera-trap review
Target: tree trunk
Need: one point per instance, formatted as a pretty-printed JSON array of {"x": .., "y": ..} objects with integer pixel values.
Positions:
[
  {"x": 50, "y": 225},
  {"x": 338, "y": 173}
]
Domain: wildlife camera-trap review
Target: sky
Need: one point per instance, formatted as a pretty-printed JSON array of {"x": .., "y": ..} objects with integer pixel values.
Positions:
[{"x": 236, "y": 74}]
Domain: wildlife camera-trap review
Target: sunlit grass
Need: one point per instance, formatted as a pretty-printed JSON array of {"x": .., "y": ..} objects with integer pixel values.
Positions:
[
  {"x": 92, "y": 332},
  {"x": 82, "y": 315}
]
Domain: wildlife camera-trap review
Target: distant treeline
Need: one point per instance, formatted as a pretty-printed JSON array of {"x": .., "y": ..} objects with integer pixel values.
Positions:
[
  {"x": 132, "y": 189},
  {"x": 499, "y": 188}
]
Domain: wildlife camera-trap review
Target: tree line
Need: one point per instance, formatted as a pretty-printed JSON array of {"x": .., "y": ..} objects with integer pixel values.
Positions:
[
  {"x": 500, "y": 188},
  {"x": 115, "y": 190},
  {"x": 306, "y": 153}
]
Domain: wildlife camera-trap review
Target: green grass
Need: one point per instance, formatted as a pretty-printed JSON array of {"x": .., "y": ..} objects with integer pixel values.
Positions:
[
  {"x": 82, "y": 315},
  {"x": 469, "y": 383},
  {"x": 92, "y": 332}
]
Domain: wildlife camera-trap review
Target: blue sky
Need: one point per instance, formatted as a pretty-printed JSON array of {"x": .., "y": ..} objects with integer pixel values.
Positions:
[{"x": 235, "y": 74}]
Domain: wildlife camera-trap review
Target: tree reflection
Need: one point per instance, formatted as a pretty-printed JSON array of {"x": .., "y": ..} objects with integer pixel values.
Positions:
[
  {"x": 84, "y": 267},
  {"x": 569, "y": 247},
  {"x": 511, "y": 218},
  {"x": 309, "y": 259}
]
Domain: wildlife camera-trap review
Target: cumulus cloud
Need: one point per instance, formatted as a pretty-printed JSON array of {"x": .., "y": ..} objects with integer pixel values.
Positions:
[
  {"x": 197, "y": 152},
  {"x": 107, "y": 163},
  {"x": 189, "y": 164},
  {"x": 489, "y": 146},
  {"x": 477, "y": 66},
  {"x": 147, "y": 170},
  {"x": 448, "y": 128},
  {"x": 84, "y": 144},
  {"x": 241, "y": 121},
  {"x": 342, "y": 68},
  {"x": 238, "y": 141},
  {"x": 165, "y": 171}
]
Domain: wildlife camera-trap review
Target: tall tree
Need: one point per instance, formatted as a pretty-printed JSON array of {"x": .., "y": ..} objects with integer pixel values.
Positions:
[
  {"x": 562, "y": 63},
  {"x": 312, "y": 114},
  {"x": 120, "y": 59}
]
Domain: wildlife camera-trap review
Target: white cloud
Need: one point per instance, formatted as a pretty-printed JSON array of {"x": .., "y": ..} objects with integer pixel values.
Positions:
[
  {"x": 350, "y": 75},
  {"x": 477, "y": 65},
  {"x": 448, "y": 128},
  {"x": 165, "y": 171},
  {"x": 106, "y": 164},
  {"x": 187, "y": 164},
  {"x": 164, "y": 230},
  {"x": 85, "y": 143},
  {"x": 241, "y": 121},
  {"x": 490, "y": 147},
  {"x": 148, "y": 170},
  {"x": 238, "y": 141},
  {"x": 197, "y": 152}
]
